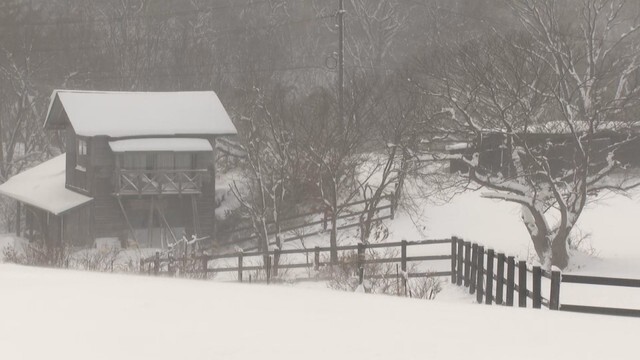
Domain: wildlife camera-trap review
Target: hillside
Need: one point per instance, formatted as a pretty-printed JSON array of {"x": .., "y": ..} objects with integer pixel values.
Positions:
[{"x": 129, "y": 317}]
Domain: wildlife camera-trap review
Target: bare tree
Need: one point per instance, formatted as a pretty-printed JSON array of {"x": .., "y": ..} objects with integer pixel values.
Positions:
[{"x": 568, "y": 73}]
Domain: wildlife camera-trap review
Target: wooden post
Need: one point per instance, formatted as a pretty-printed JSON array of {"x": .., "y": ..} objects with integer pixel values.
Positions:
[
  {"x": 500, "y": 278},
  {"x": 537, "y": 287},
  {"x": 454, "y": 258},
  {"x": 511, "y": 270},
  {"x": 360, "y": 258},
  {"x": 316, "y": 261},
  {"x": 489, "y": 286},
  {"x": 460, "y": 260},
  {"x": 393, "y": 205},
  {"x": 141, "y": 265},
  {"x": 554, "y": 293},
  {"x": 522, "y": 283},
  {"x": 474, "y": 259},
  {"x": 205, "y": 263},
  {"x": 240, "y": 260},
  {"x": 267, "y": 266},
  {"x": 467, "y": 263},
  {"x": 403, "y": 262},
  {"x": 18, "y": 217},
  {"x": 480, "y": 272},
  {"x": 156, "y": 263},
  {"x": 276, "y": 261}
]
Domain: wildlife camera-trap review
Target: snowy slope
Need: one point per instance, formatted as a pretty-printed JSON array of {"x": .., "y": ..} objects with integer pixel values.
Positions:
[{"x": 57, "y": 314}]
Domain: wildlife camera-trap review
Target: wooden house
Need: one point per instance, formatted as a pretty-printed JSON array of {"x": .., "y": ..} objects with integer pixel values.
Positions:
[
  {"x": 554, "y": 141},
  {"x": 138, "y": 170}
]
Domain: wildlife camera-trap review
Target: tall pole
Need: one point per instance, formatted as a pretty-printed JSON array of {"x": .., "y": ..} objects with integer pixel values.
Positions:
[{"x": 341, "y": 64}]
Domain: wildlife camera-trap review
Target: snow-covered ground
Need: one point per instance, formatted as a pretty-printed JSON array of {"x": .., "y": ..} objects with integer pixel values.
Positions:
[{"x": 62, "y": 314}]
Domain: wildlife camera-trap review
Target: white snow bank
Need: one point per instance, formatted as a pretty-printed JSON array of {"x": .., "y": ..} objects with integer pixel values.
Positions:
[
  {"x": 74, "y": 315},
  {"x": 161, "y": 144},
  {"x": 43, "y": 186},
  {"x": 118, "y": 114}
]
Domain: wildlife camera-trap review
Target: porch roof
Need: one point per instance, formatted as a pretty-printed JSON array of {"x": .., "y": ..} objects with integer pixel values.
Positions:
[
  {"x": 43, "y": 186},
  {"x": 161, "y": 144}
]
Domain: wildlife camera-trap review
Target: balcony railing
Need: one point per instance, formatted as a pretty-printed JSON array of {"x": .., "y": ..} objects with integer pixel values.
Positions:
[{"x": 147, "y": 182}]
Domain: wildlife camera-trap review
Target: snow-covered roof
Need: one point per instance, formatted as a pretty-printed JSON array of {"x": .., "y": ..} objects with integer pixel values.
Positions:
[
  {"x": 121, "y": 114},
  {"x": 43, "y": 186},
  {"x": 161, "y": 144}
]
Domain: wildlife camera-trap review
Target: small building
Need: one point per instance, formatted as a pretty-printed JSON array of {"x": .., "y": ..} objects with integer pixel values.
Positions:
[{"x": 138, "y": 170}]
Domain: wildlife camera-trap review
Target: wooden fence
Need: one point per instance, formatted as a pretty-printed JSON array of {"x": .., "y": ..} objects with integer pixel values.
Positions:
[
  {"x": 492, "y": 277},
  {"x": 300, "y": 223},
  {"x": 275, "y": 261}
]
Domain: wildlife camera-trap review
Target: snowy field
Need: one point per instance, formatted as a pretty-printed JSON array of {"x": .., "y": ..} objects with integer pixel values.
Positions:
[{"x": 61, "y": 314}]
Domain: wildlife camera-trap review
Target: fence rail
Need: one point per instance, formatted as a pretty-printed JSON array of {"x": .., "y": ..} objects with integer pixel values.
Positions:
[
  {"x": 483, "y": 272},
  {"x": 494, "y": 278},
  {"x": 387, "y": 203},
  {"x": 273, "y": 261}
]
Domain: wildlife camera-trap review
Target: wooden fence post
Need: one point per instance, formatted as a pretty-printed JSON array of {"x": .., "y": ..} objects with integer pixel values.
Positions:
[
  {"x": 393, "y": 205},
  {"x": 360, "y": 261},
  {"x": 511, "y": 274},
  {"x": 316, "y": 261},
  {"x": 537, "y": 287},
  {"x": 522, "y": 283},
  {"x": 454, "y": 259},
  {"x": 276, "y": 261},
  {"x": 489, "y": 286},
  {"x": 467, "y": 263},
  {"x": 480, "y": 271},
  {"x": 240, "y": 261},
  {"x": 403, "y": 263},
  {"x": 474, "y": 259},
  {"x": 205, "y": 265},
  {"x": 141, "y": 265},
  {"x": 500, "y": 279},
  {"x": 554, "y": 293},
  {"x": 156, "y": 263},
  {"x": 460, "y": 260},
  {"x": 267, "y": 266}
]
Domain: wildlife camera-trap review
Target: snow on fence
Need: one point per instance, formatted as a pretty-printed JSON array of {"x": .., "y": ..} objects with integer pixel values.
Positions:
[
  {"x": 475, "y": 270},
  {"x": 270, "y": 263}
]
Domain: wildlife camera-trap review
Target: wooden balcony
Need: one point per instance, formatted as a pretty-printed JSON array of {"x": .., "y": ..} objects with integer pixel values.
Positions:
[{"x": 156, "y": 182}]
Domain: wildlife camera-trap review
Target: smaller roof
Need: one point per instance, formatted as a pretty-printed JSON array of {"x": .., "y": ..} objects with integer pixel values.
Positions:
[
  {"x": 161, "y": 144},
  {"x": 43, "y": 186}
]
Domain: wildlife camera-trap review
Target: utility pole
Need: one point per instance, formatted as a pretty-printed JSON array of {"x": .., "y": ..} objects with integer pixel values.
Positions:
[{"x": 341, "y": 64}]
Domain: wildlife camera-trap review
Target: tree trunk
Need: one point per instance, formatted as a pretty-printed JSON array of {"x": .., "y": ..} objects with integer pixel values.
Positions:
[
  {"x": 559, "y": 254},
  {"x": 333, "y": 239}
]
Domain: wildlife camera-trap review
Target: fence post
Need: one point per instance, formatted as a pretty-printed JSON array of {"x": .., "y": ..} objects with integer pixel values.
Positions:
[
  {"x": 489, "y": 286},
  {"x": 156, "y": 263},
  {"x": 141, "y": 265},
  {"x": 316, "y": 264},
  {"x": 511, "y": 274},
  {"x": 500, "y": 278},
  {"x": 240, "y": 261},
  {"x": 276, "y": 261},
  {"x": 474, "y": 259},
  {"x": 460, "y": 260},
  {"x": 537, "y": 285},
  {"x": 480, "y": 272},
  {"x": 360, "y": 261},
  {"x": 205, "y": 263},
  {"x": 522, "y": 283},
  {"x": 268, "y": 267},
  {"x": 403, "y": 263},
  {"x": 454, "y": 258},
  {"x": 554, "y": 293},
  {"x": 467, "y": 263},
  {"x": 393, "y": 205}
]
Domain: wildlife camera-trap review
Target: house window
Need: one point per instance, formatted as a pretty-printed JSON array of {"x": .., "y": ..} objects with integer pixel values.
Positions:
[{"x": 81, "y": 154}]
